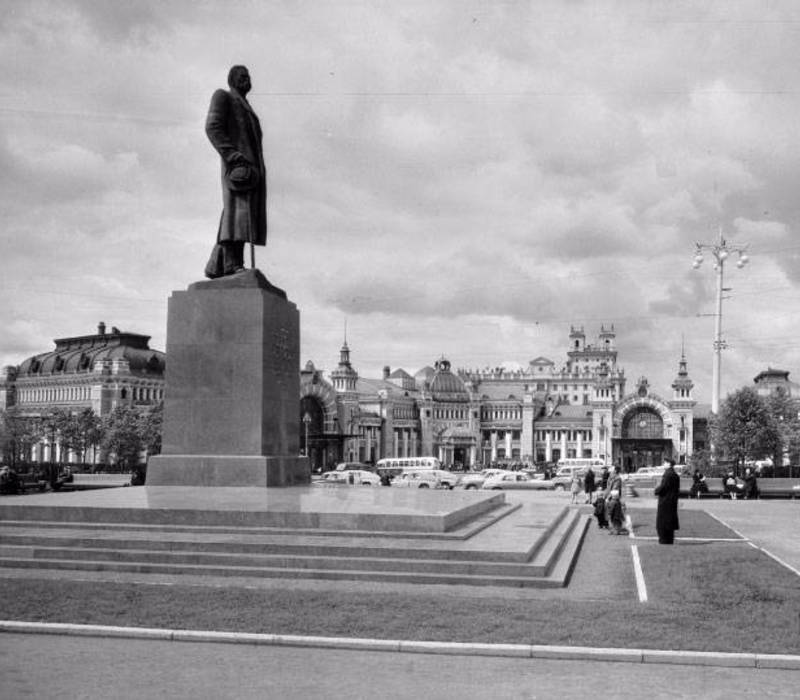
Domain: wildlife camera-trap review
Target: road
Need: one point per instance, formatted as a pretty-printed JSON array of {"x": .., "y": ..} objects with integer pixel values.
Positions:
[{"x": 45, "y": 666}]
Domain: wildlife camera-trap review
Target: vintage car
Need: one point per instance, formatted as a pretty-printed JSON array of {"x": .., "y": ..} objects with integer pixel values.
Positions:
[
  {"x": 645, "y": 475},
  {"x": 422, "y": 479},
  {"x": 475, "y": 481},
  {"x": 449, "y": 480},
  {"x": 517, "y": 481},
  {"x": 348, "y": 477}
]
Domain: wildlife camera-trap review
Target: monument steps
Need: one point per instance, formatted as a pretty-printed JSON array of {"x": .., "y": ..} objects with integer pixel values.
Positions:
[
  {"x": 346, "y": 558},
  {"x": 481, "y": 546},
  {"x": 390, "y": 559},
  {"x": 463, "y": 532}
]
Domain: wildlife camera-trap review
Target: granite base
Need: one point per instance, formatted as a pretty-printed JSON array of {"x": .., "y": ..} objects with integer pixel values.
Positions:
[{"x": 231, "y": 470}]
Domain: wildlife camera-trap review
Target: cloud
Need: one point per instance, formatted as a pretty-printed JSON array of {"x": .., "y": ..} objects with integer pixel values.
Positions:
[{"x": 468, "y": 180}]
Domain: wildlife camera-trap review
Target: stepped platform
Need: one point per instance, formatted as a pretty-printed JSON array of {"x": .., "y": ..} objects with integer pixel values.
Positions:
[{"x": 365, "y": 534}]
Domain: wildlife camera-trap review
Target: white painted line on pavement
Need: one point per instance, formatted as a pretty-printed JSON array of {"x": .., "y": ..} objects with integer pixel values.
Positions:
[
  {"x": 651, "y": 538},
  {"x": 637, "y": 571}
]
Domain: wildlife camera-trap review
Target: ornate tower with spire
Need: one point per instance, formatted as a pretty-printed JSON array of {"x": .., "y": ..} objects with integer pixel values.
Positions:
[
  {"x": 683, "y": 385},
  {"x": 344, "y": 377},
  {"x": 682, "y": 407}
]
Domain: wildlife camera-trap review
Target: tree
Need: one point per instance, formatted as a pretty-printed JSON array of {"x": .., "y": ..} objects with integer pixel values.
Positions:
[
  {"x": 785, "y": 412},
  {"x": 54, "y": 427},
  {"x": 150, "y": 425},
  {"x": 87, "y": 431},
  {"x": 18, "y": 434},
  {"x": 122, "y": 436},
  {"x": 701, "y": 460},
  {"x": 744, "y": 428}
]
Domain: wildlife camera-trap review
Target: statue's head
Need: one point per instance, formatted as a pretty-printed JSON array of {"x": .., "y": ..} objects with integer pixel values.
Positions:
[{"x": 239, "y": 79}]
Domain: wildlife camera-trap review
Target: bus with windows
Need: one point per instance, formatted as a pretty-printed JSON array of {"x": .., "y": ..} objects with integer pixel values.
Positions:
[
  {"x": 390, "y": 467},
  {"x": 565, "y": 468}
]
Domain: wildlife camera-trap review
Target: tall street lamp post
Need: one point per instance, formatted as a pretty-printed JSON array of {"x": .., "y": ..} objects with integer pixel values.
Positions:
[
  {"x": 721, "y": 251},
  {"x": 306, "y": 423}
]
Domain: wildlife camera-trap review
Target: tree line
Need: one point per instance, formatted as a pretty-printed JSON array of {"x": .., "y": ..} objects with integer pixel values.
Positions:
[
  {"x": 748, "y": 427},
  {"x": 751, "y": 427},
  {"x": 124, "y": 436}
]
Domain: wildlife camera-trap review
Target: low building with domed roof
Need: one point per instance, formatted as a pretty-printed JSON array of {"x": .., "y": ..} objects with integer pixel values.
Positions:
[{"x": 99, "y": 371}]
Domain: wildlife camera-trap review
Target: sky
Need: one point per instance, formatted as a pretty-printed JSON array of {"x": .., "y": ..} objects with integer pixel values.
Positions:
[{"x": 466, "y": 179}]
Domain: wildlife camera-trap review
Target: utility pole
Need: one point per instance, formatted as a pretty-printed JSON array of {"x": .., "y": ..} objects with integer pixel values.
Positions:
[{"x": 721, "y": 251}]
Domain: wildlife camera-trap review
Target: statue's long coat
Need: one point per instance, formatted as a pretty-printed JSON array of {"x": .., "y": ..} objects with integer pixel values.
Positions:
[
  {"x": 667, "y": 492},
  {"x": 233, "y": 128}
]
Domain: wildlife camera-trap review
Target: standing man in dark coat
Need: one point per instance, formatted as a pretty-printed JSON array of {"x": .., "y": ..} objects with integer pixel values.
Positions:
[
  {"x": 667, "y": 513},
  {"x": 588, "y": 484},
  {"x": 235, "y": 132}
]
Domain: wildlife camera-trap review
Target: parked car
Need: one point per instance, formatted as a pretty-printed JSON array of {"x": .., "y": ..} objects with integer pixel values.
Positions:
[
  {"x": 422, "y": 479},
  {"x": 449, "y": 480},
  {"x": 517, "y": 481},
  {"x": 348, "y": 477},
  {"x": 349, "y": 466},
  {"x": 645, "y": 474},
  {"x": 475, "y": 481}
]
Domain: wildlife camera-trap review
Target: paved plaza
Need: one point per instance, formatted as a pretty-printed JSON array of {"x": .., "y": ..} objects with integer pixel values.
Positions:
[{"x": 44, "y": 666}]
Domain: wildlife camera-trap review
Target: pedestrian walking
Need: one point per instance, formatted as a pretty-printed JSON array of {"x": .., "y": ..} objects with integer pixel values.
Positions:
[
  {"x": 588, "y": 484},
  {"x": 600, "y": 512},
  {"x": 615, "y": 508},
  {"x": 575, "y": 487},
  {"x": 613, "y": 483},
  {"x": 604, "y": 479},
  {"x": 667, "y": 512},
  {"x": 615, "y": 514}
]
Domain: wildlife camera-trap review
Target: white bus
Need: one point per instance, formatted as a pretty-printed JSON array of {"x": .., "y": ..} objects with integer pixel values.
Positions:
[
  {"x": 394, "y": 466},
  {"x": 581, "y": 462},
  {"x": 565, "y": 468}
]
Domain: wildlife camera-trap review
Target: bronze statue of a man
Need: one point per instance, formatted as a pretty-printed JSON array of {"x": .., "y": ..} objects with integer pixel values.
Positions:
[{"x": 235, "y": 132}]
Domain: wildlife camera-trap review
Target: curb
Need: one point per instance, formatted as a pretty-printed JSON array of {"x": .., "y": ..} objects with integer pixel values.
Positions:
[{"x": 534, "y": 651}]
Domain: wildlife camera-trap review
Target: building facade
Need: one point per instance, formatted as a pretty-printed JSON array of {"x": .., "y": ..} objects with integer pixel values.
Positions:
[
  {"x": 539, "y": 413},
  {"x": 99, "y": 371},
  {"x": 536, "y": 414}
]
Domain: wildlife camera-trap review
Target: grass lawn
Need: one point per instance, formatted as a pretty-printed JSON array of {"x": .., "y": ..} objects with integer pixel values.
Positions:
[
  {"x": 713, "y": 597},
  {"x": 694, "y": 523},
  {"x": 721, "y": 590}
]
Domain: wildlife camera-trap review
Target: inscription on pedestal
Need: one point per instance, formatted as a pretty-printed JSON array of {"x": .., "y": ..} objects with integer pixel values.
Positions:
[{"x": 282, "y": 354}]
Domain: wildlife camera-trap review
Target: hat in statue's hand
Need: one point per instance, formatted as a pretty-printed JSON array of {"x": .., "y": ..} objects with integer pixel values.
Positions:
[{"x": 242, "y": 178}]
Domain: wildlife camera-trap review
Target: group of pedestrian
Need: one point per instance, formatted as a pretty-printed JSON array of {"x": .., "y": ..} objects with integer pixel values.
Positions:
[
  {"x": 9, "y": 481},
  {"x": 748, "y": 489},
  {"x": 609, "y": 508}
]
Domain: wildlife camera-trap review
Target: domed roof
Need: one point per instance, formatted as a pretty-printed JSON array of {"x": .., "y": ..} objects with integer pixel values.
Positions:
[
  {"x": 79, "y": 354},
  {"x": 446, "y": 386}
]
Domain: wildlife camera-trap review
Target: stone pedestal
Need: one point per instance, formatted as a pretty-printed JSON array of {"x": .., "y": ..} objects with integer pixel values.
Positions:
[{"x": 232, "y": 398}]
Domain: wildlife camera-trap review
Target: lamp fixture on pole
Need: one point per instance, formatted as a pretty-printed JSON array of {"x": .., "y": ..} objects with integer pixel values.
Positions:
[
  {"x": 306, "y": 423},
  {"x": 721, "y": 251}
]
